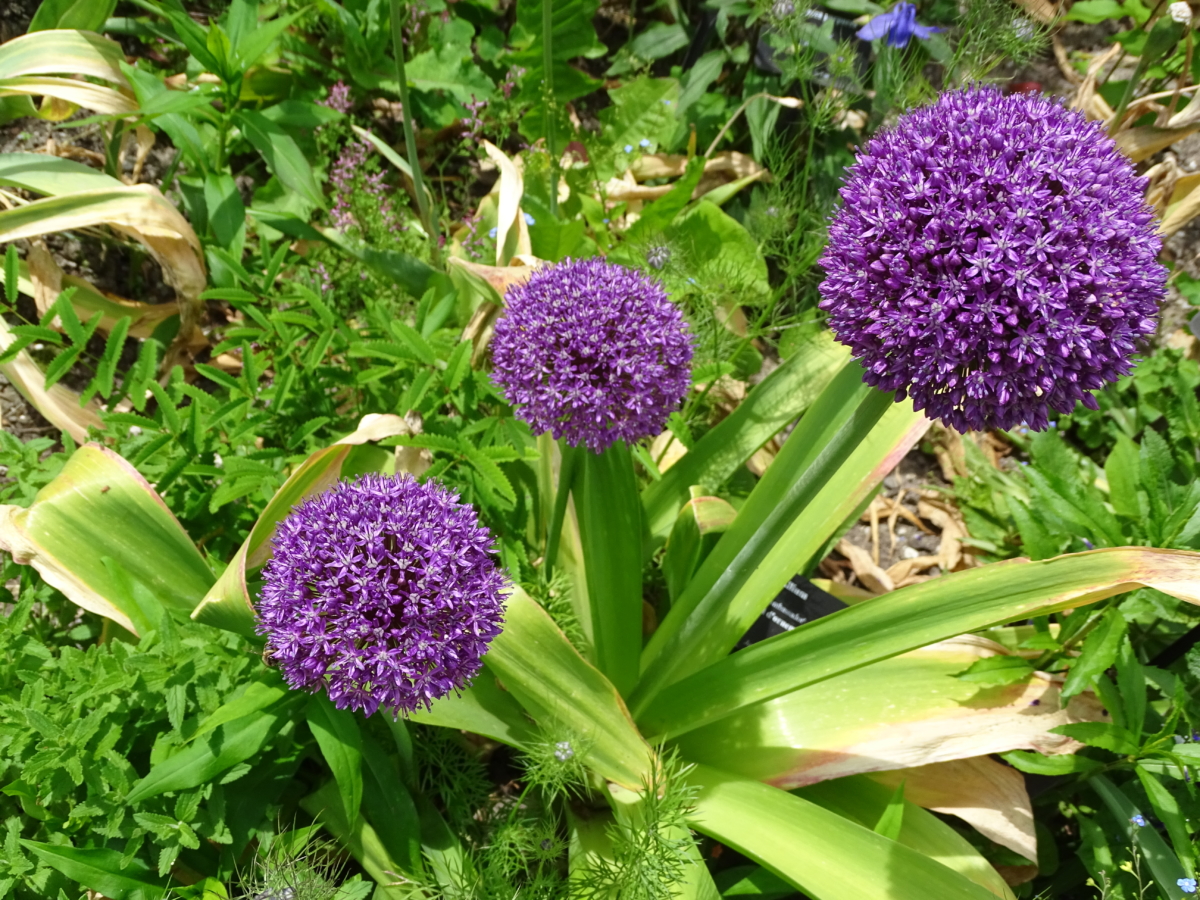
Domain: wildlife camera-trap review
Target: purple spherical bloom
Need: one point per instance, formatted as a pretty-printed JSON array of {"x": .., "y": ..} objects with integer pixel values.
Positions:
[
  {"x": 898, "y": 25},
  {"x": 993, "y": 259},
  {"x": 592, "y": 352},
  {"x": 382, "y": 592}
]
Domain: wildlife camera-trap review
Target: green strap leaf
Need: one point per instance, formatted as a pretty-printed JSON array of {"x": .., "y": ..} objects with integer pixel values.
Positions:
[
  {"x": 610, "y": 527},
  {"x": 535, "y": 661},
  {"x": 99, "y": 501},
  {"x": 820, "y": 852},
  {"x": 340, "y": 740},
  {"x": 913, "y": 617},
  {"x": 826, "y": 469}
]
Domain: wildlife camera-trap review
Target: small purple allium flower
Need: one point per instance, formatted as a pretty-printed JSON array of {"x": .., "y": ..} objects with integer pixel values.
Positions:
[
  {"x": 383, "y": 592},
  {"x": 898, "y": 25},
  {"x": 993, "y": 259},
  {"x": 1139, "y": 820},
  {"x": 592, "y": 352}
]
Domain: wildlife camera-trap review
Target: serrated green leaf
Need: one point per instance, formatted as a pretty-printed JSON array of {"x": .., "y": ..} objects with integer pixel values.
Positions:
[
  {"x": 997, "y": 670},
  {"x": 65, "y": 312},
  {"x": 458, "y": 365},
  {"x": 61, "y": 365},
  {"x": 1099, "y": 734},
  {"x": 234, "y": 489},
  {"x": 427, "y": 442},
  {"x": 212, "y": 373},
  {"x": 106, "y": 370},
  {"x": 489, "y": 471},
  {"x": 1099, "y": 652},
  {"x": 413, "y": 340},
  {"x": 308, "y": 428},
  {"x": 381, "y": 350}
]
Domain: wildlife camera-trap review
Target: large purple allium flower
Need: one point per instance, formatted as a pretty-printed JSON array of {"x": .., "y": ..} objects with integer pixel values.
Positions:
[
  {"x": 593, "y": 352},
  {"x": 383, "y": 592},
  {"x": 993, "y": 258}
]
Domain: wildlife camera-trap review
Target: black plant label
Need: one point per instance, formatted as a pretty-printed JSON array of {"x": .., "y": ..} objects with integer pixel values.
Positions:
[{"x": 800, "y": 601}]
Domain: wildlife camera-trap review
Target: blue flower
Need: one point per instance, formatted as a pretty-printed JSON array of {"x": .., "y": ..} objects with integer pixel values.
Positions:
[
  {"x": 1187, "y": 885},
  {"x": 529, "y": 220},
  {"x": 644, "y": 143},
  {"x": 1139, "y": 820},
  {"x": 629, "y": 148},
  {"x": 898, "y": 25},
  {"x": 492, "y": 233}
]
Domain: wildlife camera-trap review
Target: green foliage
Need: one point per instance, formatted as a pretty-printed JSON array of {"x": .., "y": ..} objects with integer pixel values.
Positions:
[
  {"x": 80, "y": 727},
  {"x": 648, "y": 841},
  {"x": 131, "y": 767}
]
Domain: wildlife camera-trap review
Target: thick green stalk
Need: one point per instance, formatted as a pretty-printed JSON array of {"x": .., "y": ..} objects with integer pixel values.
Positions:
[
  {"x": 610, "y": 528},
  {"x": 410, "y": 138},
  {"x": 551, "y": 102},
  {"x": 554, "y": 526}
]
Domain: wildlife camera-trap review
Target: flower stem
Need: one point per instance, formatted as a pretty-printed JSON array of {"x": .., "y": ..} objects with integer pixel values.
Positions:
[
  {"x": 551, "y": 103},
  {"x": 410, "y": 139}
]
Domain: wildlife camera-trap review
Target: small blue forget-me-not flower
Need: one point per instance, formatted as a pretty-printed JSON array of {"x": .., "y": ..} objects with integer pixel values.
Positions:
[
  {"x": 1139, "y": 820},
  {"x": 1187, "y": 885}
]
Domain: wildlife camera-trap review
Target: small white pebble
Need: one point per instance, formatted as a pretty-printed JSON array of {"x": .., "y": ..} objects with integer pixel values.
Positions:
[{"x": 909, "y": 553}]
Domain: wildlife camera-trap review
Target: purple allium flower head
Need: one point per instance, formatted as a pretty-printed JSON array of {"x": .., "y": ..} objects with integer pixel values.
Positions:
[
  {"x": 593, "y": 352},
  {"x": 382, "y": 592},
  {"x": 898, "y": 25},
  {"x": 993, "y": 259}
]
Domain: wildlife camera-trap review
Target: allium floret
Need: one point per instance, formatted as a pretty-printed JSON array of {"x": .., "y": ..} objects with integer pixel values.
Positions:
[
  {"x": 383, "y": 592},
  {"x": 993, "y": 258},
  {"x": 592, "y": 352}
]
